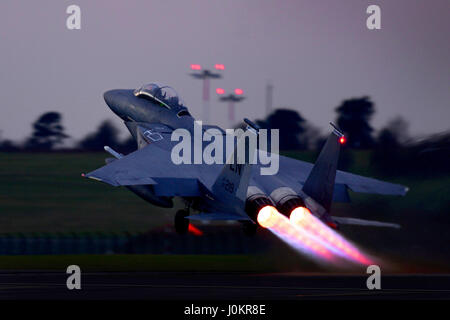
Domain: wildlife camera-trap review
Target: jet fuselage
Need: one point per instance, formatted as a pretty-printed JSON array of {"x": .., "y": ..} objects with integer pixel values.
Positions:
[{"x": 128, "y": 107}]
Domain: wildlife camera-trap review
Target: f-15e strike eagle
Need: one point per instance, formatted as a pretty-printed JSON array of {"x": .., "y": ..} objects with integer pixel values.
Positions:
[{"x": 226, "y": 191}]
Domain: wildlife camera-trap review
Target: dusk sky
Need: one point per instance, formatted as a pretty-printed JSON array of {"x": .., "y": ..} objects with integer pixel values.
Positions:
[{"x": 315, "y": 53}]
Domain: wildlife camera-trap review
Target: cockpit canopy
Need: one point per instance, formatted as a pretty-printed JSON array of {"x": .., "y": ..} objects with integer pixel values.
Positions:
[{"x": 165, "y": 95}]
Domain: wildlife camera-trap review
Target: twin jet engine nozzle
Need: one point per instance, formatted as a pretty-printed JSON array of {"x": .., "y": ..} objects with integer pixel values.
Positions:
[{"x": 264, "y": 209}]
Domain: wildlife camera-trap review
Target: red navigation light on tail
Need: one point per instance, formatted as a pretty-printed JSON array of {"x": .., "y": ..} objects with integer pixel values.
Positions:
[{"x": 342, "y": 140}]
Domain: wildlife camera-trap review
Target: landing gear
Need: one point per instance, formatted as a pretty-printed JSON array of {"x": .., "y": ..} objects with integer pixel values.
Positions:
[
  {"x": 181, "y": 223},
  {"x": 249, "y": 228}
]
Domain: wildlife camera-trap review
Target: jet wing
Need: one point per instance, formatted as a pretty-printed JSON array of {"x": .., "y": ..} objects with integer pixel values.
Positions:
[
  {"x": 363, "y": 222},
  {"x": 293, "y": 173},
  {"x": 362, "y": 184},
  {"x": 152, "y": 165},
  {"x": 218, "y": 216}
]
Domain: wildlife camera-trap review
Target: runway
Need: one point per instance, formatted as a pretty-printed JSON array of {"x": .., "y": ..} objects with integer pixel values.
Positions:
[{"x": 218, "y": 286}]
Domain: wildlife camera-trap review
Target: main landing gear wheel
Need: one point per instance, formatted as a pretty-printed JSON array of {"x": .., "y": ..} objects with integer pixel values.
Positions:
[
  {"x": 181, "y": 223},
  {"x": 249, "y": 228}
]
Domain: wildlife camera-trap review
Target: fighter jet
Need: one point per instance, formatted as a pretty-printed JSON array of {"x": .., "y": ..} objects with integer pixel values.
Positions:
[{"x": 223, "y": 191}]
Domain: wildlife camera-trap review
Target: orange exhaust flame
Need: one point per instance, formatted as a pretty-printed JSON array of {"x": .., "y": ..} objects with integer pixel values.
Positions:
[
  {"x": 303, "y": 218},
  {"x": 269, "y": 217}
]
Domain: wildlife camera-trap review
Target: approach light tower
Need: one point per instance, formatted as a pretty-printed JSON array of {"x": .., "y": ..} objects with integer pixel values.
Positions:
[
  {"x": 205, "y": 75},
  {"x": 231, "y": 98}
]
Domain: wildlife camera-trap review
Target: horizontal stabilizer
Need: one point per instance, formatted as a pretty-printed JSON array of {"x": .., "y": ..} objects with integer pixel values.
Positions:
[
  {"x": 217, "y": 216},
  {"x": 368, "y": 185},
  {"x": 361, "y": 222}
]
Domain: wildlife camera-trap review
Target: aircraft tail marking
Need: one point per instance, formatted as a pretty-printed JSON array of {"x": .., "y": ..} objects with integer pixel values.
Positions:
[{"x": 234, "y": 177}]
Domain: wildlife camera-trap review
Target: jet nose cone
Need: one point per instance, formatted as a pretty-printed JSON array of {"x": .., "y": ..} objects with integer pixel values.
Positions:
[
  {"x": 111, "y": 97},
  {"x": 120, "y": 101}
]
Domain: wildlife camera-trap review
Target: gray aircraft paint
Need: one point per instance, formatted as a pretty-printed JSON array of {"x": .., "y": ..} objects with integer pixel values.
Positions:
[{"x": 151, "y": 165}]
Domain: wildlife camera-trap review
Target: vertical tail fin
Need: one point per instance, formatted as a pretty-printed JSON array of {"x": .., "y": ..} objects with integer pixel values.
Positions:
[
  {"x": 320, "y": 182},
  {"x": 232, "y": 182}
]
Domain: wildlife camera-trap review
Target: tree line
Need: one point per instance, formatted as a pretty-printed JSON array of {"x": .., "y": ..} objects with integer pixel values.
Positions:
[
  {"x": 392, "y": 149},
  {"x": 48, "y": 134}
]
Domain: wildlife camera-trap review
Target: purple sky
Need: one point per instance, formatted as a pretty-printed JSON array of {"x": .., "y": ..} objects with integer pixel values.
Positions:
[{"x": 316, "y": 53}]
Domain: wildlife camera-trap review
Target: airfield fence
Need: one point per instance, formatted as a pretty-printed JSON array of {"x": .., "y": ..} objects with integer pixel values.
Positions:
[{"x": 212, "y": 242}]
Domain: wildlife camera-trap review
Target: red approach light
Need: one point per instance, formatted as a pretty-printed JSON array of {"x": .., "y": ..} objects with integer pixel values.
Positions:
[
  {"x": 220, "y": 91},
  {"x": 238, "y": 91},
  {"x": 219, "y": 67},
  {"x": 342, "y": 140},
  {"x": 194, "y": 230},
  {"x": 196, "y": 67}
]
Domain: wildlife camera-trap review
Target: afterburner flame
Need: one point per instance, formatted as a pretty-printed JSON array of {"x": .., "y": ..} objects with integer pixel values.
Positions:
[
  {"x": 303, "y": 218},
  {"x": 309, "y": 235},
  {"x": 299, "y": 215},
  {"x": 267, "y": 216}
]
